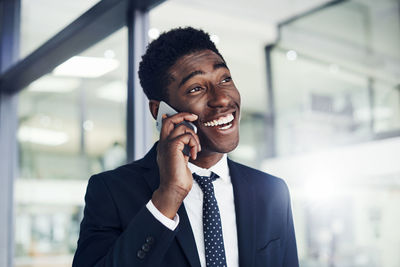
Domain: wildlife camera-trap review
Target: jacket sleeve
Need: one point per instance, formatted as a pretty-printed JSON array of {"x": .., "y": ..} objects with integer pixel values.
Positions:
[
  {"x": 290, "y": 253},
  {"x": 103, "y": 242}
]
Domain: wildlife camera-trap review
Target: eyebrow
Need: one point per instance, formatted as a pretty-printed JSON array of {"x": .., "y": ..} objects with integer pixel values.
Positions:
[{"x": 199, "y": 72}]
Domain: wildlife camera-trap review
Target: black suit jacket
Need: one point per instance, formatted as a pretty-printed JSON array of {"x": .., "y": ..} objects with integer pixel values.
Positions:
[{"x": 118, "y": 230}]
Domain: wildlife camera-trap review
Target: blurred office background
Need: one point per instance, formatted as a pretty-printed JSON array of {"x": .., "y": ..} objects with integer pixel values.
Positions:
[{"x": 320, "y": 85}]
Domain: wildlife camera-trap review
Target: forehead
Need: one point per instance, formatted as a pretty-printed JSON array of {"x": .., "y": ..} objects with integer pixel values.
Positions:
[{"x": 201, "y": 60}]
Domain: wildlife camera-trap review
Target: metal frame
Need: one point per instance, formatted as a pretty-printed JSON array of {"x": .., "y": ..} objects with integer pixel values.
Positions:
[
  {"x": 94, "y": 25},
  {"x": 309, "y": 12},
  {"x": 271, "y": 101},
  {"x": 271, "y": 116},
  {"x": 9, "y": 46},
  {"x": 271, "y": 113},
  {"x": 139, "y": 128}
]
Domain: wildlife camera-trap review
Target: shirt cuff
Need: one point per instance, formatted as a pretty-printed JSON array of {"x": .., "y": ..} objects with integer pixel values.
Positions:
[{"x": 167, "y": 222}]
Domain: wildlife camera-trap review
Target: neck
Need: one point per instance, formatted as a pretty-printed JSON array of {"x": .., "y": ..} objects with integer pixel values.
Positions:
[{"x": 207, "y": 159}]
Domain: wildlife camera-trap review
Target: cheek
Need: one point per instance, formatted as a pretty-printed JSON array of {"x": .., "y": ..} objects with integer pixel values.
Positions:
[
  {"x": 236, "y": 96},
  {"x": 195, "y": 106},
  {"x": 183, "y": 104}
]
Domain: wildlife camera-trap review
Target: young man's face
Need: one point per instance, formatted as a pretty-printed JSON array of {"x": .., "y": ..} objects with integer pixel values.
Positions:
[{"x": 203, "y": 85}]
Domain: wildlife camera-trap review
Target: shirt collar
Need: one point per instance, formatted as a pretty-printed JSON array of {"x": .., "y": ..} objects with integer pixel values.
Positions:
[{"x": 220, "y": 168}]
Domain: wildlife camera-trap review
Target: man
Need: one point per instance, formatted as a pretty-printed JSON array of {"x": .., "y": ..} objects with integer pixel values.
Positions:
[{"x": 169, "y": 209}]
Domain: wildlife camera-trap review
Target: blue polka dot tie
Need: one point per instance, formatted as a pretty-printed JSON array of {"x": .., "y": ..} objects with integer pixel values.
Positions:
[{"x": 213, "y": 240}]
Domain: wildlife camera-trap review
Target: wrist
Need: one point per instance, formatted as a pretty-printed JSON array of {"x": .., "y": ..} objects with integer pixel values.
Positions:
[{"x": 168, "y": 200}]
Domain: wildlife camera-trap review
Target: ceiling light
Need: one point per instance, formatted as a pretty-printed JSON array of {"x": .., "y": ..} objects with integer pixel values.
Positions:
[
  {"x": 42, "y": 136},
  {"x": 51, "y": 84},
  {"x": 86, "y": 67},
  {"x": 154, "y": 33},
  {"x": 291, "y": 55}
]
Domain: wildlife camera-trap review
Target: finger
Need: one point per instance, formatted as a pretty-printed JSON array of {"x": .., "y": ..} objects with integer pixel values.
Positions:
[
  {"x": 168, "y": 123},
  {"x": 182, "y": 116},
  {"x": 166, "y": 129},
  {"x": 187, "y": 139},
  {"x": 182, "y": 129},
  {"x": 193, "y": 152}
]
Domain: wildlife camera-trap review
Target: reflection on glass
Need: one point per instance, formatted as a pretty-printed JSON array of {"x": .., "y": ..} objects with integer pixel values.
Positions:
[
  {"x": 386, "y": 107},
  {"x": 41, "y": 19},
  {"x": 71, "y": 125},
  {"x": 315, "y": 108},
  {"x": 335, "y": 76}
]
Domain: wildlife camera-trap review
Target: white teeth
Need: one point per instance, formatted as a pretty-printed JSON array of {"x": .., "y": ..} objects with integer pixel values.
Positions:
[
  {"x": 223, "y": 120},
  {"x": 226, "y": 127}
]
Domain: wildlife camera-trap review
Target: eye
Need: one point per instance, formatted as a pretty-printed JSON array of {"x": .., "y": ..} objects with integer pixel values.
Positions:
[
  {"x": 195, "y": 89},
  {"x": 226, "y": 80}
]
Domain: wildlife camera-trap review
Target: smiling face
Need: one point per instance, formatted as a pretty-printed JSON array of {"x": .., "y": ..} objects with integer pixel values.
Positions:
[{"x": 202, "y": 85}]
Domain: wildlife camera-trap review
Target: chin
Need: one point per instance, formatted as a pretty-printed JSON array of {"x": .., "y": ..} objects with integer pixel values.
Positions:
[
  {"x": 225, "y": 148},
  {"x": 217, "y": 143}
]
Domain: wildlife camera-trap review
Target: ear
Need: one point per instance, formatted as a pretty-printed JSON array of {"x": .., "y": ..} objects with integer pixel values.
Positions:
[{"x": 153, "y": 105}]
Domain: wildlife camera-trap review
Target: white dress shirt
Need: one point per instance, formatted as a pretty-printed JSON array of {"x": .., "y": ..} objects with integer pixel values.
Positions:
[{"x": 194, "y": 207}]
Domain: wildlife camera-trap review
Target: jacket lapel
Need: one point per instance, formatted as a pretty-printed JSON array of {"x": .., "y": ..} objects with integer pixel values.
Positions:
[
  {"x": 186, "y": 239},
  {"x": 184, "y": 235},
  {"x": 245, "y": 207}
]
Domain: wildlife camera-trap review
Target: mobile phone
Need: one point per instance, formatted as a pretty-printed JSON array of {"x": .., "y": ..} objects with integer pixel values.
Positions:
[{"x": 164, "y": 108}]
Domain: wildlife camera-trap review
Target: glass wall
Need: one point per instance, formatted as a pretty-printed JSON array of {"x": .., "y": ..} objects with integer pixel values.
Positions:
[
  {"x": 344, "y": 61},
  {"x": 336, "y": 93},
  {"x": 71, "y": 125},
  {"x": 335, "y": 86},
  {"x": 41, "y": 19},
  {"x": 335, "y": 78}
]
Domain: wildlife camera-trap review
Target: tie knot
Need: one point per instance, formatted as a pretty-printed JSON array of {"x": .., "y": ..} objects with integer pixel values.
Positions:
[{"x": 205, "y": 181}]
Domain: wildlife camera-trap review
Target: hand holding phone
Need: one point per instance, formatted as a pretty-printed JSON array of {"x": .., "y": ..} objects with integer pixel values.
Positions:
[
  {"x": 176, "y": 179},
  {"x": 164, "y": 108}
]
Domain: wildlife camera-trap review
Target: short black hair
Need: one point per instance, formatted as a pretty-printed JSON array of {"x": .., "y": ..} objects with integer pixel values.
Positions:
[{"x": 164, "y": 52}]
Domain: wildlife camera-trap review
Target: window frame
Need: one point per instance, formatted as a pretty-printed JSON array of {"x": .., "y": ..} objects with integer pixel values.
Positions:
[{"x": 97, "y": 23}]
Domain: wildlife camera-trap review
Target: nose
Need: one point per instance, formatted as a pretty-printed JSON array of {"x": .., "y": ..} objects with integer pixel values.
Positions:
[{"x": 218, "y": 98}]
